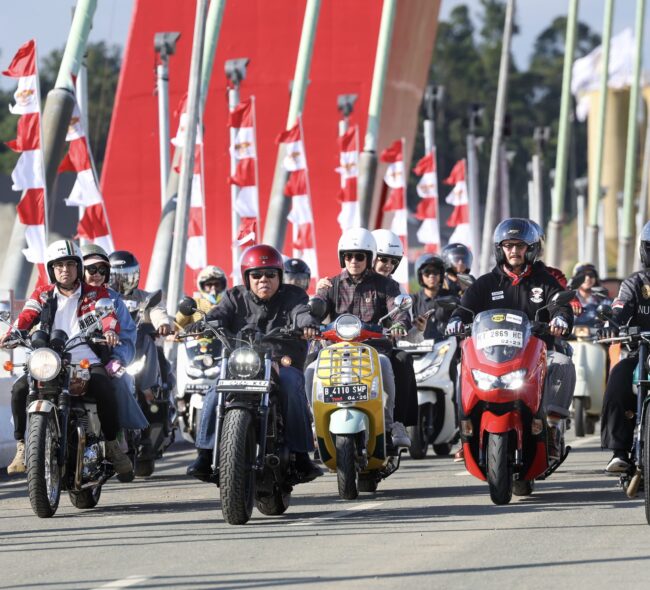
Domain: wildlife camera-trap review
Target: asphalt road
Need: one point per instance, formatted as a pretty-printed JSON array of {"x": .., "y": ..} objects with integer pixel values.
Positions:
[{"x": 430, "y": 525}]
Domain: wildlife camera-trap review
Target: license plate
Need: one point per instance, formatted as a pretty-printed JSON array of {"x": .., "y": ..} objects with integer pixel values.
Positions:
[
  {"x": 254, "y": 386},
  {"x": 345, "y": 393}
]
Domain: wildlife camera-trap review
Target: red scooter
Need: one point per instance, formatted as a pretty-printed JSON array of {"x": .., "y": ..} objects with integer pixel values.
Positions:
[{"x": 502, "y": 423}]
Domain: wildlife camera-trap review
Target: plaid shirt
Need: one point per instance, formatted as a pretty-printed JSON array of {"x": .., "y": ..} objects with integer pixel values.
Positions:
[{"x": 369, "y": 298}]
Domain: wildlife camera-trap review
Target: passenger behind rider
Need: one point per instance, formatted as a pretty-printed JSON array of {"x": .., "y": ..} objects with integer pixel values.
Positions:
[
  {"x": 517, "y": 283},
  {"x": 211, "y": 284},
  {"x": 631, "y": 307},
  {"x": 296, "y": 272},
  {"x": 265, "y": 302},
  {"x": 361, "y": 291},
  {"x": 64, "y": 304},
  {"x": 457, "y": 259}
]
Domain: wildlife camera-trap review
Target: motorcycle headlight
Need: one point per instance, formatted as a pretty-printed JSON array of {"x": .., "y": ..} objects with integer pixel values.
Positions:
[
  {"x": 136, "y": 366},
  {"x": 347, "y": 327},
  {"x": 512, "y": 380},
  {"x": 44, "y": 364},
  {"x": 244, "y": 363},
  {"x": 429, "y": 371},
  {"x": 207, "y": 360}
]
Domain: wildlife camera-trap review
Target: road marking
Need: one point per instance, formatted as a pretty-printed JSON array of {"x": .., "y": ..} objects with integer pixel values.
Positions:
[
  {"x": 124, "y": 582},
  {"x": 333, "y": 515}
]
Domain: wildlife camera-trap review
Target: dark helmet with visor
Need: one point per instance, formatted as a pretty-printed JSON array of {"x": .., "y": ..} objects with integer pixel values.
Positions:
[{"x": 519, "y": 229}]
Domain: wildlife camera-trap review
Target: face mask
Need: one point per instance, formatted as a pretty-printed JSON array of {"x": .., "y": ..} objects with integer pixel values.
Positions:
[{"x": 211, "y": 298}]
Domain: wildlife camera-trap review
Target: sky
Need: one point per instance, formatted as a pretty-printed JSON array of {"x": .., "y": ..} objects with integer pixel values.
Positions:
[{"x": 48, "y": 21}]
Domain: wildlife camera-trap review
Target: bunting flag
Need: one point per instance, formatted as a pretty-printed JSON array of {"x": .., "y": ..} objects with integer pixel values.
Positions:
[
  {"x": 243, "y": 150},
  {"x": 93, "y": 224},
  {"x": 297, "y": 187},
  {"x": 29, "y": 174},
  {"x": 395, "y": 179},
  {"x": 458, "y": 197},
  {"x": 427, "y": 210},
  {"x": 348, "y": 170}
]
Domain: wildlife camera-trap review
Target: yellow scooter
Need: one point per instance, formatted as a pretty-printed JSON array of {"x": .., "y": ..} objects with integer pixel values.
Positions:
[{"x": 348, "y": 404}]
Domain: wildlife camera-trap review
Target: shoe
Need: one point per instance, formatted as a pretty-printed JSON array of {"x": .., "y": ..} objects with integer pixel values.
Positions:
[
  {"x": 18, "y": 464},
  {"x": 459, "y": 455},
  {"x": 553, "y": 447},
  {"x": 619, "y": 463},
  {"x": 201, "y": 467},
  {"x": 399, "y": 435},
  {"x": 307, "y": 469},
  {"x": 116, "y": 456}
]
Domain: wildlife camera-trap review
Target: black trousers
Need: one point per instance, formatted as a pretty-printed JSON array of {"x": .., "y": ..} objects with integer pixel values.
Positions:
[
  {"x": 406, "y": 391},
  {"x": 102, "y": 390},
  {"x": 616, "y": 430}
]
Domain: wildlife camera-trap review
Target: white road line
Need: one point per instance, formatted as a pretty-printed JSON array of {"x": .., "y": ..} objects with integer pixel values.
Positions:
[
  {"x": 124, "y": 582},
  {"x": 333, "y": 515}
]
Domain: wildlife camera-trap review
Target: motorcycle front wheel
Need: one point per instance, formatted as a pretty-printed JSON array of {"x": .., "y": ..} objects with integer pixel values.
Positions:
[
  {"x": 346, "y": 468},
  {"x": 646, "y": 468},
  {"x": 237, "y": 449},
  {"x": 43, "y": 471},
  {"x": 580, "y": 416},
  {"x": 499, "y": 471},
  {"x": 418, "y": 434}
]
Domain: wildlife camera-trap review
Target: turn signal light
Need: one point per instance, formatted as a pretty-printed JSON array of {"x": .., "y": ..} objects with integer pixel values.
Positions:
[
  {"x": 286, "y": 361},
  {"x": 8, "y": 366},
  {"x": 84, "y": 364},
  {"x": 466, "y": 428}
]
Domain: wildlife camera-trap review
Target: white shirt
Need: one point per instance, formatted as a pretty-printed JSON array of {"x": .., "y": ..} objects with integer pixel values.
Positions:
[{"x": 66, "y": 319}]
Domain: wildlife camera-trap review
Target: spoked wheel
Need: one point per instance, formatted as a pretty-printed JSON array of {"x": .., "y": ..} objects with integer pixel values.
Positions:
[
  {"x": 236, "y": 466},
  {"x": 43, "y": 471},
  {"x": 418, "y": 435},
  {"x": 346, "y": 468},
  {"x": 499, "y": 470},
  {"x": 523, "y": 488},
  {"x": 86, "y": 498},
  {"x": 274, "y": 504},
  {"x": 646, "y": 467},
  {"x": 580, "y": 416}
]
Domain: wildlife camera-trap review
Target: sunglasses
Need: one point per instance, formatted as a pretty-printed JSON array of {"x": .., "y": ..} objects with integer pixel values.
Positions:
[
  {"x": 387, "y": 260},
  {"x": 95, "y": 269},
  {"x": 258, "y": 274},
  {"x": 514, "y": 245},
  {"x": 358, "y": 256},
  {"x": 427, "y": 272}
]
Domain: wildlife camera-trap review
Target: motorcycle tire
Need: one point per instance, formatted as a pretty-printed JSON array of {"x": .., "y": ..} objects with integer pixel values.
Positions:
[
  {"x": 346, "y": 468},
  {"x": 236, "y": 460},
  {"x": 579, "y": 416},
  {"x": 86, "y": 498},
  {"x": 43, "y": 472},
  {"x": 645, "y": 461},
  {"x": 523, "y": 488},
  {"x": 417, "y": 434},
  {"x": 368, "y": 484},
  {"x": 144, "y": 467},
  {"x": 499, "y": 470},
  {"x": 275, "y": 504},
  {"x": 442, "y": 450}
]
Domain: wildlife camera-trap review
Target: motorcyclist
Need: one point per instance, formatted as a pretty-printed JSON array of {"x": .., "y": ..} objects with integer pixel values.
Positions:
[
  {"x": 65, "y": 304},
  {"x": 457, "y": 259},
  {"x": 589, "y": 275},
  {"x": 516, "y": 282},
  {"x": 361, "y": 291},
  {"x": 632, "y": 307},
  {"x": 211, "y": 284},
  {"x": 264, "y": 301},
  {"x": 296, "y": 272}
]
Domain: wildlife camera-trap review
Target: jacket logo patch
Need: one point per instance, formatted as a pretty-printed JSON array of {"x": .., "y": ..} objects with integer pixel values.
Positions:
[
  {"x": 497, "y": 295},
  {"x": 645, "y": 291},
  {"x": 536, "y": 294}
]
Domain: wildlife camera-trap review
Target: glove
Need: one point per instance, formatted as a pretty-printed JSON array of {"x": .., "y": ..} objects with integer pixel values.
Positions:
[
  {"x": 397, "y": 330},
  {"x": 576, "y": 306},
  {"x": 608, "y": 331},
  {"x": 195, "y": 328},
  {"x": 115, "y": 368},
  {"x": 558, "y": 322},
  {"x": 454, "y": 327}
]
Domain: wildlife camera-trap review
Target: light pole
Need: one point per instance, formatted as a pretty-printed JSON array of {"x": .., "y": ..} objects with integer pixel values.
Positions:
[
  {"x": 474, "y": 118},
  {"x": 541, "y": 136}
]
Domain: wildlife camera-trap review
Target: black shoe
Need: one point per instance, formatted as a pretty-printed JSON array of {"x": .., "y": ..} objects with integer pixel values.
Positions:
[
  {"x": 307, "y": 469},
  {"x": 201, "y": 467}
]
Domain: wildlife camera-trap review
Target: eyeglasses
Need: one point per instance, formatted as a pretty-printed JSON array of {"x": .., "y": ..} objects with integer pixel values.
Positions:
[
  {"x": 388, "y": 260},
  {"x": 98, "y": 269},
  {"x": 258, "y": 274},
  {"x": 358, "y": 256},
  {"x": 64, "y": 264},
  {"x": 514, "y": 245},
  {"x": 427, "y": 272}
]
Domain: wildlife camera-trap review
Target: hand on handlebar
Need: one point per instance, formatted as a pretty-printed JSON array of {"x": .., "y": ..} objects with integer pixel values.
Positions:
[
  {"x": 398, "y": 330},
  {"x": 558, "y": 327},
  {"x": 164, "y": 330},
  {"x": 608, "y": 331},
  {"x": 454, "y": 327},
  {"x": 310, "y": 332},
  {"x": 112, "y": 339}
]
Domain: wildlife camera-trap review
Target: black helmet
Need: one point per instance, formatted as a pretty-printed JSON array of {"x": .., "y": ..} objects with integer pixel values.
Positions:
[
  {"x": 644, "y": 245},
  {"x": 125, "y": 272},
  {"x": 517, "y": 228},
  {"x": 453, "y": 253},
  {"x": 297, "y": 272},
  {"x": 429, "y": 259}
]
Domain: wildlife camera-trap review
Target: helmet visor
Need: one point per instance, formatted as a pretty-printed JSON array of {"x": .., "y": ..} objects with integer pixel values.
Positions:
[{"x": 125, "y": 280}]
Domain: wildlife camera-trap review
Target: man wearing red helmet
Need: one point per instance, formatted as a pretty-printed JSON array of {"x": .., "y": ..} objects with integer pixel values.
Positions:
[{"x": 267, "y": 303}]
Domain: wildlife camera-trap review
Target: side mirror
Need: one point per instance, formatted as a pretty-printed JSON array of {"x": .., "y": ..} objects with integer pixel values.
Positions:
[
  {"x": 104, "y": 307},
  {"x": 560, "y": 299},
  {"x": 448, "y": 302},
  {"x": 5, "y": 311},
  {"x": 604, "y": 311},
  {"x": 465, "y": 280},
  {"x": 187, "y": 306},
  {"x": 317, "y": 307},
  {"x": 403, "y": 302},
  {"x": 600, "y": 292}
]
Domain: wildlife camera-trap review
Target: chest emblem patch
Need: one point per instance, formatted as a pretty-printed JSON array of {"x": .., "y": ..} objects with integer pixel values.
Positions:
[
  {"x": 497, "y": 295},
  {"x": 536, "y": 294},
  {"x": 645, "y": 291}
]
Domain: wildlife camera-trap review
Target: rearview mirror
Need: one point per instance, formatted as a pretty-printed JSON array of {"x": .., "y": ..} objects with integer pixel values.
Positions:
[
  {"x": 403, "y": 302},
  {"x": 562, "y": 298},
  {"x": 604, "y": 311},
  {"x": 465, "y": 280},
  {"x": 317, "y": 307},
  {"x": 104, "y": 307},
  {"x": 187, "y": 306}
]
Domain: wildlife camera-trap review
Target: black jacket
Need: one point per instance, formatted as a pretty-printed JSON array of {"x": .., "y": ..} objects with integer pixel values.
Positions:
[
  {"x": 286, "y": 309},
  {"x": 495, "y": 290},
  {"x": 632, "y": 303}
]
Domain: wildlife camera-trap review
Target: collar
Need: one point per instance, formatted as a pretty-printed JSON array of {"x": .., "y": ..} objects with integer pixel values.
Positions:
[
  {"x": 346, "y": 276},
  {"x": 76, "y": 293},
  {"x": 517, "y": 278}
]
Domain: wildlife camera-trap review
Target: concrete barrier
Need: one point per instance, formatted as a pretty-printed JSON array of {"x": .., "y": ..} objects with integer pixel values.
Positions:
[{"x": 7, "y": 442}]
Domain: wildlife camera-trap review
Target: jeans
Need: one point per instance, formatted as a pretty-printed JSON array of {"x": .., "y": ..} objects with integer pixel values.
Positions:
[
  {"x": 129, "y": 414},
  {"x": 293, "y": 405}
]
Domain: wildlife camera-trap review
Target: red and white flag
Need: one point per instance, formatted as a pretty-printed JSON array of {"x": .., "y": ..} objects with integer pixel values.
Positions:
[
  {"x": 395, "y": 179},
  {"x": 93, "y": 225},
  {"x": 458, "y": 197},
  {"x": 297, "y": 187},
  {"x": 243, "y": 149},
  {"x": 29, "y": 174},
  {"x": 348, "y": 170},
  {"x": 427, "y": 210}
]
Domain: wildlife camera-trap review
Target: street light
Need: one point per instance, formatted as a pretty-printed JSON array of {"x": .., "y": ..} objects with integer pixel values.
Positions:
[{"x": 236, "y": 70}]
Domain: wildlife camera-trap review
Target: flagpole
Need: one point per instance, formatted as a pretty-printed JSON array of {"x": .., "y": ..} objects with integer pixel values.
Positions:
[
  {"x": 257, "y": 173},
  {"x": 313, "y": 224}
]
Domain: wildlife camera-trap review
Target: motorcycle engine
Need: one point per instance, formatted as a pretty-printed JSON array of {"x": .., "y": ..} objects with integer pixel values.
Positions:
[{"x": 92, "y": 460}]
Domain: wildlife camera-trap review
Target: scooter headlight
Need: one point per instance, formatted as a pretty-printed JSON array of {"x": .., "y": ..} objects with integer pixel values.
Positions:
[
  {"x": 347, "y": 327},
  {"x": 44, "y": 364},
  {"x": 512, "y": 380},
  {"x": 244, "y": 363},
  {"x": 485, "y": 381}
]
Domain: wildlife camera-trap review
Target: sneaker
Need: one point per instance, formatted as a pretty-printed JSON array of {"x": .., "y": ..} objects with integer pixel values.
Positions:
[
  {"x": 201, "y": 467},
  {"x": 459, "y": 455},
  {"x": 399, "y": 435},
  {"x": 18, "y": 464},
  {"x": 619, "y": 463},
  {"x": 307, "y": 469},
  {"x": 553, "y": 446},
  {"x": 117, "y": 457}
]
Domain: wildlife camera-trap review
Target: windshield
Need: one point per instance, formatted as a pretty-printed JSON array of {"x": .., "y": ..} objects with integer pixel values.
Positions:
[{"x": 500, "y": 334}]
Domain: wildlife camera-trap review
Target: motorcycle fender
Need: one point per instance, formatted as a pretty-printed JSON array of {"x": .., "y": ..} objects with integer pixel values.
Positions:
[
  {"x": 40, "y": 406},
  {"x": 348, "y": 421},
  {"x": 494, "y": 424}
]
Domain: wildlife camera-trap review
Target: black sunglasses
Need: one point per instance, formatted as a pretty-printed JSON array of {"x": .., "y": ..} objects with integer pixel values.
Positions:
[
  {"x": 358, "y": 256},
  {"x": 258, "y": 274},
  {"x": 94, "y": 269},
  {"x": 388, "y": 260}
]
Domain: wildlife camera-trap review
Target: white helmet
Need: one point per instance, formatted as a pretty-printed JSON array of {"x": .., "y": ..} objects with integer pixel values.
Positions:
[
  {"x": 389, "y": 244},
  {"x": 357, "y": 239},
  {"x": 63, "y": 250}
]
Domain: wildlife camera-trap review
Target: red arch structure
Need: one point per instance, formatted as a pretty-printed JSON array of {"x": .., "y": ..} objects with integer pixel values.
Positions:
[{"x": 267, "y": 32}]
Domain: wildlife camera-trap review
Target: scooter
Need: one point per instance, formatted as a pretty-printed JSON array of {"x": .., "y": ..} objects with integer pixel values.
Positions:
[
  {"x": 502, "y": 424},
  {"x": 348, "y": 404}
]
